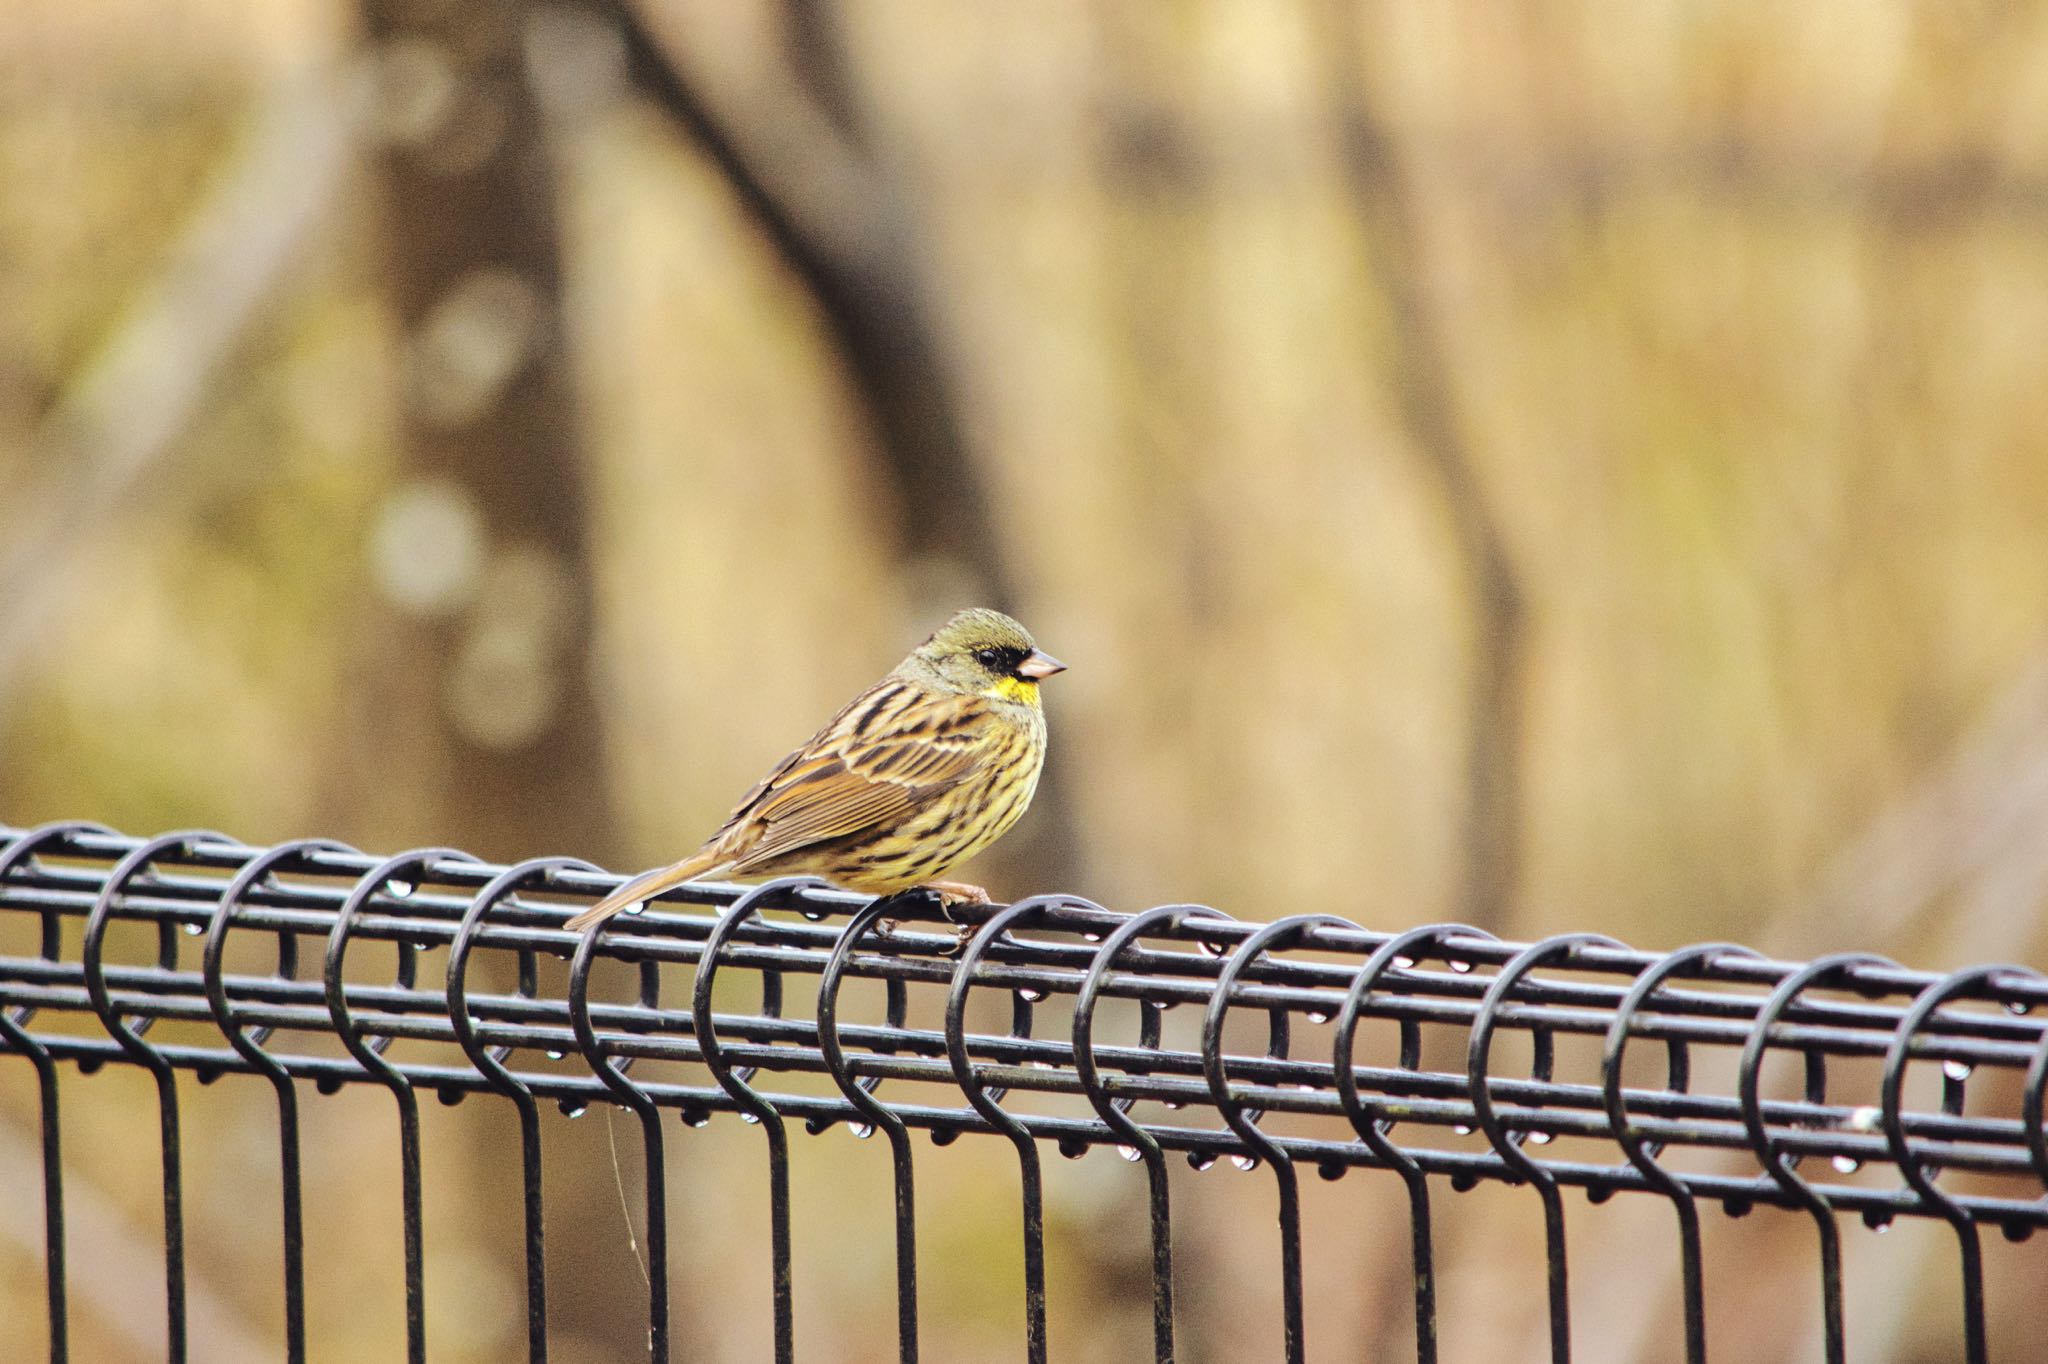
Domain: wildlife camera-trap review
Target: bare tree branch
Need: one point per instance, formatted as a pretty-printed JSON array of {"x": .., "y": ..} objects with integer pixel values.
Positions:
[
  {"x": 1491, "y": 836},
  {"x": 853, "y": 244},
  {"x": 849, "y": 236},
  {"x": 119, "y": 421},
  {"x": 814, "y": 32}
]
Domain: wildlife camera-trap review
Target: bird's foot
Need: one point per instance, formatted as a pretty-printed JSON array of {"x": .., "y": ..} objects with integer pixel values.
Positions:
[
  {"x": 952, "y": 893},
  {"x": 945, "y": 894}
]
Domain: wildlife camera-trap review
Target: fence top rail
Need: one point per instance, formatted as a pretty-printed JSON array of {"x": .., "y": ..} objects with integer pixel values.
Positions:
[{"x": 1707, "y": 1072}]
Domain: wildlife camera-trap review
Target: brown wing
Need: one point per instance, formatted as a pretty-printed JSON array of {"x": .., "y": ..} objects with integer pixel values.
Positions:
[{"x": 894, "y": 748}]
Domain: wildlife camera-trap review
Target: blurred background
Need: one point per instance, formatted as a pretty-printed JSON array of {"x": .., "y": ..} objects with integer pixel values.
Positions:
[{"x": 1553, "y": 466}]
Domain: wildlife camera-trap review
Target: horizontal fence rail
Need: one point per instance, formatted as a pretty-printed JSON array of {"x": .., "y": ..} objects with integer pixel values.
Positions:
[{"x": 1849, "y": 1085}]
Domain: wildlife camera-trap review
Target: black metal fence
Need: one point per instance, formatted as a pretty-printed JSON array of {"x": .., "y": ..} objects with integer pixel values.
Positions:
[{"x": 1706, "y": 1075}]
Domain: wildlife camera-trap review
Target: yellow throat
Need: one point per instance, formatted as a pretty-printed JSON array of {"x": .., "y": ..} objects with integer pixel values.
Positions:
[{"x": 1014, "y": 689}]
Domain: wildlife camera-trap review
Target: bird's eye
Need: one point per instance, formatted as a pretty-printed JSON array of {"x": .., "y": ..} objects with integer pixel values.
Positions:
[{"x": 992, "y": 659}]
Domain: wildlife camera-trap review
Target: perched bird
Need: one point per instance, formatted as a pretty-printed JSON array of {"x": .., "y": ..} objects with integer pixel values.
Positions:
[{"x": 918, "y": 773}]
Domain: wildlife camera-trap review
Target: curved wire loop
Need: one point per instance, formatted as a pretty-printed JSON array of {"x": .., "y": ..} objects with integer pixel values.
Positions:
[
  {"x": 1915, "y": 1171},
  {"x": 248, "y": 1043},
  {"x": 1287, "y": 932},
  {"x": 859, "y": 1091},
  {"x": 734, "y": 1082},
  {"x": 490, "y": 1063},
  {"x": 129, "y": 1035},
  {"x": 2034, "y": 1111},
  {"x": 630, "y": 1095},
  {"x": 1509, "y": 1145},
  {"x": 987, "y": 1101},
  {"x": 1781, "y": 1170},
  {"x": 22, "y": 852},
  {"x": 1114, "y": 1112},
  {"x": 1402, "y": 947},
  {"x": 1642, "y": 1153},
  {"x": 385, "y": 878},
  {"x": 895, "y": 1010}
]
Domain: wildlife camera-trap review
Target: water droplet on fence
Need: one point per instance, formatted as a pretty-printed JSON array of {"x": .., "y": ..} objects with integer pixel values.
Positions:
[
  {"x": 1864, "y": 1119},
  {"x": 1245, "y": 1162},
  {"x": 193, "y": 930},
  {"x": 1461, "y": 967},
  {"x": 1091, "y": 935},
  {"x": 749, "y": 1118},
  {"x": 1030, "y": 994},
  {"x": 1215, "y": 949},
  {"x": 1881, "y": 1228},
  {"x": 1201, "y": 1160},
  {"x": 1404, "y": 963},
  {"x": 554, "y": 1055},
  {"x": 1175, "y": 1104},
  {"x": 1847, "y": 1165},
  {"x": 398, "y": 889},
  {"x": 1462, "y": 1129},
  {"x": 637, "y": 907},
  {"x": 1539, "y": 1138},
  {"x": 695, "y": 1117},
  {"x": 814, "y": 914},
  {"x": 1129, "y": 1153},
  {"x": 1956, "y": 1070},
  {"x": 861, "y": 1130},
  {"x": 1318, "y": 1016},
  {"x": 2018, "y": 1006},
  {"x": 574, "y": 1110}
]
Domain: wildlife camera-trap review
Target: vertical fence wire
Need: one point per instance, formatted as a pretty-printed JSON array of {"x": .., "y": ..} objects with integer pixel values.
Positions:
[
  {"x": 14, "y": 1021},
  {"x": 860, "y": 1092},
  {"x": 248, "y": 1043},
  {"x": 1254, "y": 1105}
]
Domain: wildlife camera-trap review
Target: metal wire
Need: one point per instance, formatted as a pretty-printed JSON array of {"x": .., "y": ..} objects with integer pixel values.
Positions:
[{"x": 1969, "y": 1151}]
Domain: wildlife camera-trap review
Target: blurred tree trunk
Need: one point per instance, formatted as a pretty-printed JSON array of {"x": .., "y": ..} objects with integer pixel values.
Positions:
[{"x": 471, "y": 719}]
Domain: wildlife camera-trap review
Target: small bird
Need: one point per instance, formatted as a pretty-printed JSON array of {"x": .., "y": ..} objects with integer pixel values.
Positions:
[{"x": 917, "y": 774}]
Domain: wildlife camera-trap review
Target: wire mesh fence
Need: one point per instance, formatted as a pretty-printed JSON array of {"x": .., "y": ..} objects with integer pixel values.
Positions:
[{"x": 1707, "y": 1078}]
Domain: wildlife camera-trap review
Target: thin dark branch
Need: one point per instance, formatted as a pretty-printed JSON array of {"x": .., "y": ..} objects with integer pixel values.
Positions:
[
  {"x": 847, "y": 234},
  {"x": 118, "y": 422},
  {"x": 814, "y": 32},
  {"x": 1491, "y": 836}
]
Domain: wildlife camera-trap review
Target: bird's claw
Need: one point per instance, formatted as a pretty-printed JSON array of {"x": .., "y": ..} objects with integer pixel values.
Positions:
[{"x": 945, "y": 894}]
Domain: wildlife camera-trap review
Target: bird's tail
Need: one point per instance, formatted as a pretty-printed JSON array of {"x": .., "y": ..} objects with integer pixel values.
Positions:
[{"x": 645, "y": 886}]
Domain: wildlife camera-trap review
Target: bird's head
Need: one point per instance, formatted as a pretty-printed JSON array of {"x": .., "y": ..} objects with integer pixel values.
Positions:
[{"x": 983, "y": 653}]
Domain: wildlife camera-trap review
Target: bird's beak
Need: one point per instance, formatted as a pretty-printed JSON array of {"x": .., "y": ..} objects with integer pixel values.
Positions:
[{"x": 1039, "y": 666}]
